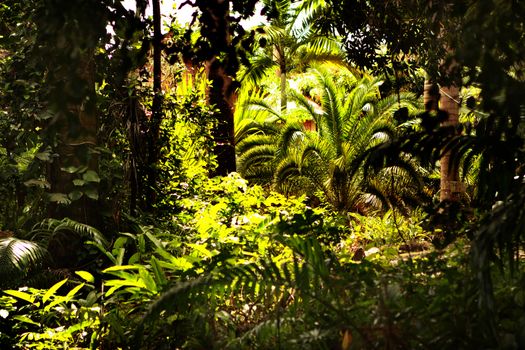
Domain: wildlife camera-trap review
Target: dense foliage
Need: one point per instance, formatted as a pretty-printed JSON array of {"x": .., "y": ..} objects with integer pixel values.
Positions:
[{"x": 117, "y": 232}]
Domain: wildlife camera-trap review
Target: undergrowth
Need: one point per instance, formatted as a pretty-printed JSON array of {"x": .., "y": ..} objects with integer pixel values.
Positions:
[{"x": 237, "y": 268}]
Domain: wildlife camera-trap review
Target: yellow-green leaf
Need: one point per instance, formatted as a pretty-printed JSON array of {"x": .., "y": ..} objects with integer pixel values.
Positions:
[
  {"x": 51, "y": 291},
  {"x": 21, "y": 295},
  {"x": 121, "y": 268},
  {"x": 86, "y": 276},
  {"x": 25, "y": 319},
  {"x": 74, "y": 291}
]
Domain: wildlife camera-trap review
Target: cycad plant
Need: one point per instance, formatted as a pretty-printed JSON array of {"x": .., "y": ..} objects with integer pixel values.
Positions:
[{"x": 350, "y": 119}]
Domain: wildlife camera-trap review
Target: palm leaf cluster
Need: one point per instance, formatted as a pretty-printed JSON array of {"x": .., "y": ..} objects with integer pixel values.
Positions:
[
  {"x": 288, "y": 44},
  {"x": 327, "y": 162},
  {"x": 18, "y": 257},
  {"x": 29, "y": 255}
]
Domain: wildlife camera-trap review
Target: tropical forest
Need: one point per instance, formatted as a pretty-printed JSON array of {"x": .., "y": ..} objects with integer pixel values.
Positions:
[{"x": 262, "y": 174}]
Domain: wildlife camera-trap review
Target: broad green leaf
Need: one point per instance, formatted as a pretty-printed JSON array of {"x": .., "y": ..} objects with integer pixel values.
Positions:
[
  {"x": 74, "y": 291},
  {"x": 37, "y": 183},
  {"x": 70, "y": 169},
  {"x": 25, "y": 319},
  {"x": 163, "y": 253},
  {"x": 58, "y": 300},
  {"x": 141, "y": 243},
  {"x": 51, "y": 291},
  {"x": 160, "y": 276},
  {"x": 135, "y": 258},
  {"x": 118, "y": 256},
  {"x": 120, "y": 242},
  {"x": 117, "y": 284},
  {"x": 76, "y": 327},
  {"x": 91, "y": 176},
  {"x": 86, "y": 276},
  {"x": 148, "y": 281},
  {"x": 91, "y": 193},
  {"x": 43, "y": 156},
  {"x": 112, "y": 290},
  {"x": 79, "y": 182},
  {"x": 60, "y": 198},
  {"x": 153, "y": 239},
  {"x": 21, "y": 295},
  {"x": 121, "y": 268},
  {"x": 75, "y": 195}
]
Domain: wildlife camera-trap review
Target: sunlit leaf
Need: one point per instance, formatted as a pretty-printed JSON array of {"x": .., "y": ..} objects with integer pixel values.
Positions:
[
  {"x": 86, "y": 276},
  {"x": 51, "y": 291},
  {"x": 21, "y": 295}
]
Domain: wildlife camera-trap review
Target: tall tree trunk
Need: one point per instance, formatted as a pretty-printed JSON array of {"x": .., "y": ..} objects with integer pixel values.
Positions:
[
  {"x": 76, "y": 127},
  {"x": 221, "y": 93},
  {"x": 156, "y": 110},
  {"x": 431, "y": 96},
  {"x": 68, "y": 37},
  {"x": 278, "y": 55},
  {"x": 77, "y": 136},
  {"x": 450, "y": 186},
  {"x": 284, "y": 100}
]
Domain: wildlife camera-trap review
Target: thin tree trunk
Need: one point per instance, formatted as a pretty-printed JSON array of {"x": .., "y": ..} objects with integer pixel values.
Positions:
[
  {"x": 221, "y": 93},
  {"x": 450, "y": 186},
  {"x": 221, "y": 96},
  {"x": 68, "y": 37},
  {"x": 156, "y": 110},
  {"x": 278, "y": 56},
  {"x": 431, "y": 96},
  {"x": 284, "y": 100}
]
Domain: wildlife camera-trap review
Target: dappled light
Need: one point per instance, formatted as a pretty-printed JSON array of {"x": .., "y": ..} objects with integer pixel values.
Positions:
[{"x": 262, "y": 174}]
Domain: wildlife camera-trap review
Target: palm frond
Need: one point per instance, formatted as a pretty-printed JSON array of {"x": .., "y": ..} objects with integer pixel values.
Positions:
[
  {"x": 254, "y": 140},
  {"x": 291, "y": 134},
  {"x": 389, "y": 104},
  {"x": 258, "y": 69},
  {"x": 256, "y": 157},
  {"x": 260, "y": 105},
  {"x": 353, "y": 128},
  {"x": 288, "y": 177},
  {"x": 330, "y": 102},
  {"x": 307, "y": 105},
  {"x": 49, "y": 228},
  {"x": 18, "y": 257}
]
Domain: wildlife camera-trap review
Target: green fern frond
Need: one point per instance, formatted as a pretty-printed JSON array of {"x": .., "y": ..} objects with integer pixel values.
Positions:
[{"x": 259, "y": 68}]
